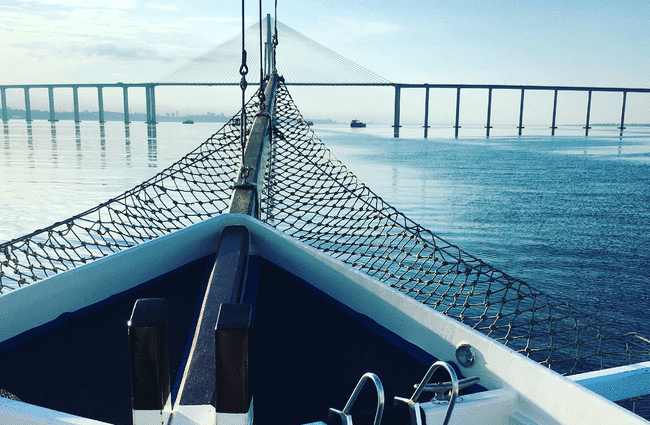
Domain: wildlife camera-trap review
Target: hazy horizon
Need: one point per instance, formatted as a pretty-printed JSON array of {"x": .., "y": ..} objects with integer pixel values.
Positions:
[{"x": 559, "y": 43}]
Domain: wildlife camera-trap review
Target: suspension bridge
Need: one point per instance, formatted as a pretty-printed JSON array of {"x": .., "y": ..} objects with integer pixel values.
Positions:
[{"x": 304, "y": 62}]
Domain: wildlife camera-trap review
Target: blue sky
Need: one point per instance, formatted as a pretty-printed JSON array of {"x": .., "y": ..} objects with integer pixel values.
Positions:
[{"x": 599, "y": 43}]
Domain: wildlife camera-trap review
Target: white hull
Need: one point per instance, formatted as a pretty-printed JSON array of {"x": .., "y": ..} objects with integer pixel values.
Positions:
[{"x": 519, "y": 391}]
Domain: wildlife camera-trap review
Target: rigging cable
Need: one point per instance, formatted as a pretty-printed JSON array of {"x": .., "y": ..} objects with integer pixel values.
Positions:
[
  {"x": 275, "y": 36},
  {"x": 243, "y": 70},
  {"x": 262, "y": 98}
]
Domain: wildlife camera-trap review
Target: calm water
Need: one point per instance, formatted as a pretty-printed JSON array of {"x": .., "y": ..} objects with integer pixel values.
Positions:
[{"x": 568, "y": 214}]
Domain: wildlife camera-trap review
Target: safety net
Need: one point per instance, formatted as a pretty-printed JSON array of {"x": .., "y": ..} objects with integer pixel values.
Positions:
[{"x": 311, "y": 196}]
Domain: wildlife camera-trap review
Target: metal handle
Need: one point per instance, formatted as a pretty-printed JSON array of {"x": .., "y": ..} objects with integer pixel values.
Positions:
[
  {"x": 413, "y": 404},
  {"x": 346, "y": 418}
]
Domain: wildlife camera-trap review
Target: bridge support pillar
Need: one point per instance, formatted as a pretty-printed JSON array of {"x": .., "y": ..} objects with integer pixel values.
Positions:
[
  {"x": 125, "y": 93},
  {"x": 622, "y": 127},
  {"x": 489, "y": 113},
  {"x": 3, "y": 96},
  {"x": 396, "y": 125},
  {"x": 553, "y": 126},
  {"x": 151, "y": 104},
  {"x": 50, "y": 92},
  {"x": 75, "y": 102},
  {"x": 521, "y": 113},
  {"x": 588, "y": 113},
  {"x": 457, "y": 126},
  {"x": 426, "y": 112},
  {"x": 100, "y": 104},
  {"x": 28, "y": 108}
]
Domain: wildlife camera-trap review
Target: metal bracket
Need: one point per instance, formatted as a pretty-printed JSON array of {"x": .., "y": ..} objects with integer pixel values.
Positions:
[
  {"x": 244, "y": 186},
  {"x": 442, "y": 390}
]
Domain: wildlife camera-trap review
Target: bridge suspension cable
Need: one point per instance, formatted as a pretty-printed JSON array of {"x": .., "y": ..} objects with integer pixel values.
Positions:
[{"x": 299, "y": 59}]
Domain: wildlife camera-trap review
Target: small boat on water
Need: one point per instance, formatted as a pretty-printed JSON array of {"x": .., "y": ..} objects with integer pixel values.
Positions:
[
  {"x": 188, "y": 122},
  {"x": 357, "y": 124}
]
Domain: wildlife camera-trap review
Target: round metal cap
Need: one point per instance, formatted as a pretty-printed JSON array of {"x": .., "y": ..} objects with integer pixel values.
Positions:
[{"x": 465, "y": 355}]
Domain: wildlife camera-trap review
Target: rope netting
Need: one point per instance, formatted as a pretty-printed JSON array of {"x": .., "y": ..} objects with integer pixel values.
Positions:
[
  {"x": 317, "y": 200},
  {"x": 191, "y": 190},
  {"x": 311, "y": 196}
]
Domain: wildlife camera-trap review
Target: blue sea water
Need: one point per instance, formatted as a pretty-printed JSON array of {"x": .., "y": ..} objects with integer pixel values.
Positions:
[{"x": 569, "y": 214}]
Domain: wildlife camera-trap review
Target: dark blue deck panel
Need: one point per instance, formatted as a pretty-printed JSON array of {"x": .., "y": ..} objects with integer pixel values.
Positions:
[
  {"x": 309, "y": 354},
  {"x": 307, "y": 351},
  {"x": 82, "y": 366}
]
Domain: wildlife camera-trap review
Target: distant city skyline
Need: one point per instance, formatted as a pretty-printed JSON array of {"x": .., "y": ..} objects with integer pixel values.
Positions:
[
  {"x": 134, "y": 115},
  {"x": 574, "y": 43}
]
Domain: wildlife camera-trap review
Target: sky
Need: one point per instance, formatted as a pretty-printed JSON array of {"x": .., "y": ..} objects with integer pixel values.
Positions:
[{"x": 561, "y": 42}]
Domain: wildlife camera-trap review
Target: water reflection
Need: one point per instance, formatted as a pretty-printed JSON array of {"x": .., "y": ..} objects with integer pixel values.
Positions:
[
  {"x": 152, "y": 145},
  {"x": 55, "y": 147},
  {"x": 50, "y": 178},
  {"x": 127, "y": 144},
  {"x": 7, "y": 144},
  {"x": 102, "y": 144},
  {"x": 30, "y": 145},
  {"x": 77, "y": 132}
]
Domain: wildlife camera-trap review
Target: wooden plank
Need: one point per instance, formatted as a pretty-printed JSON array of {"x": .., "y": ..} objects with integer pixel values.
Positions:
[{"x": 226, "y": 285}]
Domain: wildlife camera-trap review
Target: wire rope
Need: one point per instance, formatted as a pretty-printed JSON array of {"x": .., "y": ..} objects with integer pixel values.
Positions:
[{"x": 243, "y": 70}]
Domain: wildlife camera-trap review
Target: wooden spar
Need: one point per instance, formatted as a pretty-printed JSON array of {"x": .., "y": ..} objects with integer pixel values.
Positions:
[{"x": 244, "y": 199}]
